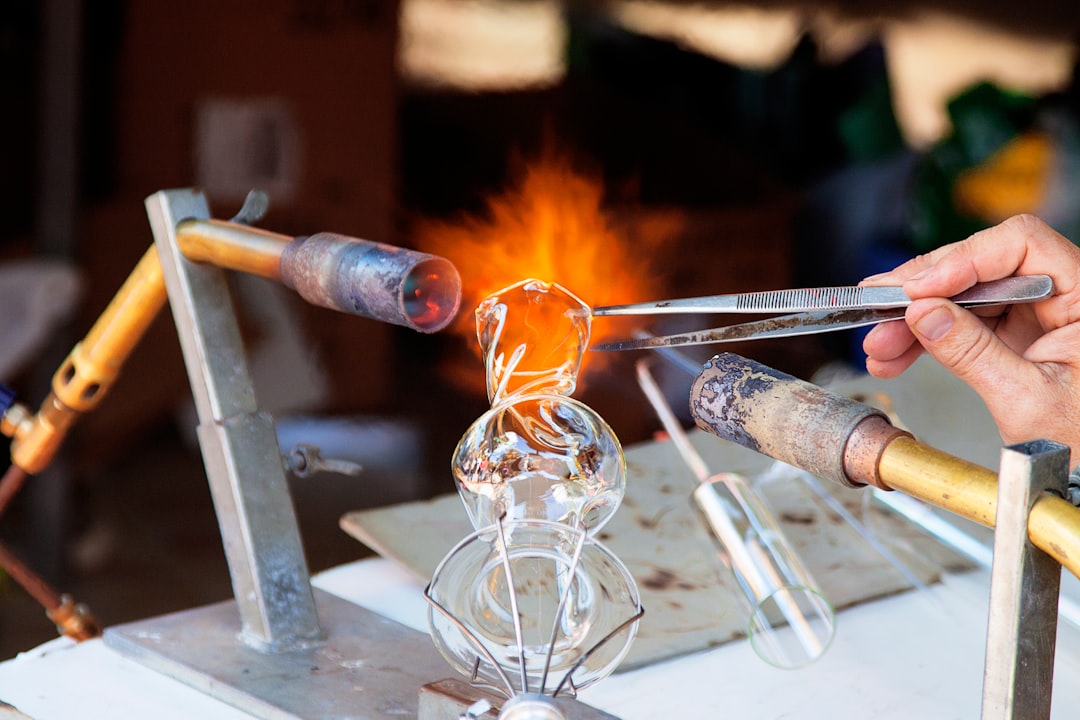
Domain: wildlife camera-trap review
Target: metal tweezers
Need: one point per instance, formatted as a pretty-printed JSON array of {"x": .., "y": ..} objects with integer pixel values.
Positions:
[{"x": 814, "y": 310}]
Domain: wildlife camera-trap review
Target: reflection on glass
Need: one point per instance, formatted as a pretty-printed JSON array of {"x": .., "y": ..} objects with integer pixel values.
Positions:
[{"x": 540, "y": 457}]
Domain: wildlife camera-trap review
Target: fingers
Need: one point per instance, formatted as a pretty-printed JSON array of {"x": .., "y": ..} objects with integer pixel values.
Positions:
[
  {"x": 1025, "y": 363},
  {"x": 969, "y": 349},
  {"x": 890, "y": 349},
  {"x": 1022, "y": 245}
]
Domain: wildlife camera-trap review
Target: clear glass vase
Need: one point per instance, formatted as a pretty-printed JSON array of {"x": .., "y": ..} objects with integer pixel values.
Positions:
[{"x": 537, "y": 453}]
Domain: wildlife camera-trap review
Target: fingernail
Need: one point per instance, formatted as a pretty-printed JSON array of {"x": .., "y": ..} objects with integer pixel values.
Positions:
[{"x": 934, "y": 324}]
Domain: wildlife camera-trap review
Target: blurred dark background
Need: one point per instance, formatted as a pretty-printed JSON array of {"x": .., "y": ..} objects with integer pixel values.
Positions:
[{"x": 358, "y": 117}]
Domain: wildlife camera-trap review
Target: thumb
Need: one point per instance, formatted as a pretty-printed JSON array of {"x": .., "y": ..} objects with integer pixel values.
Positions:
[{"x": 969, "y": 349}]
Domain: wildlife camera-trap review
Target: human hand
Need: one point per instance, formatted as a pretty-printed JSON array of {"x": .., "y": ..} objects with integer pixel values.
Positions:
[{"x": 1022, "y": 360}]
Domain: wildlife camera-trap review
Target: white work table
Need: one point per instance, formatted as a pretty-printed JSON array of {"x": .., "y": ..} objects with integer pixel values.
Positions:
[
  {"x": 917, "y": 654},
  {"x": 914, "y": 654}
]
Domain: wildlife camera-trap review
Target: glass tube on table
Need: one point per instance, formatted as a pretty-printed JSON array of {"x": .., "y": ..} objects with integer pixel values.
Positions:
[{"x": 791, "y": 621}]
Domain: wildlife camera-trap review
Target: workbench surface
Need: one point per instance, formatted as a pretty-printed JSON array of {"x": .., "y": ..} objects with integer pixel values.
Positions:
[
  {"x": 913, "y": 654},
  {"x": 917, "y": 654}
]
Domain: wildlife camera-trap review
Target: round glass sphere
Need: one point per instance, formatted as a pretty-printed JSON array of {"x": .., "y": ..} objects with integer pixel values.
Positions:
[
  {"x": 511, "y": 600},
  {"x": 540, "y": 457}
]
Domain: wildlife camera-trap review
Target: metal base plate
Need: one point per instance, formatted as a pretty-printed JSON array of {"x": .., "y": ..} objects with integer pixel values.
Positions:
[{"x": 368, "y": 667}]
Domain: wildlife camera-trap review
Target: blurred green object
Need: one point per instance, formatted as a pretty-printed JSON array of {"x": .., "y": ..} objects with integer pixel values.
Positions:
[
  {"x": 868, "y": 129},
  {"x": 984, "y": 119}
]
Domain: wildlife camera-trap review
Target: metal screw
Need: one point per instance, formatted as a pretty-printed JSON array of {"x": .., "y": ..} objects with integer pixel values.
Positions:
[{"x": 305, "y": 460}]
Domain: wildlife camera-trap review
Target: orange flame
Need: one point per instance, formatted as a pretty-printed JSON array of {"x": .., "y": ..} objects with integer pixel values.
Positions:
[{"x": 551, "y": 225}]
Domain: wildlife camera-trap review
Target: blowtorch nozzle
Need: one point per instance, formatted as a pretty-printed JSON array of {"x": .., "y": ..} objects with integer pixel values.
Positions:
[{"x": 375, "y": 280}]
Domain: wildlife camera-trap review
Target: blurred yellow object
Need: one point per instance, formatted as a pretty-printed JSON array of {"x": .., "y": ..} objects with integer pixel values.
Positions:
[{"x": 1013, "y": 181}]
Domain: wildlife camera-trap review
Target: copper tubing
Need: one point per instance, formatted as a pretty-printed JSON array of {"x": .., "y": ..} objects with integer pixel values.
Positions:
[
  {"x": 28, "y": 579},
  {"x": 10, "y": 484},
  {"x": 92, "y": 366},
  {"x": 72, "y": 619}
]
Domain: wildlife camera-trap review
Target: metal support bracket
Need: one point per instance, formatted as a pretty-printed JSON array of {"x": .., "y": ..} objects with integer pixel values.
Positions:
[
  {"x": 1024, "y": 587},
  {"x": 239, "y": 446},
  {"x": 280, "y": 650}
]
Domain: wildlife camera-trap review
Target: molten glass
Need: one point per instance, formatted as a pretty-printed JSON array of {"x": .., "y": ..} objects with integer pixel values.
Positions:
[{"x": 534, "y": 336}]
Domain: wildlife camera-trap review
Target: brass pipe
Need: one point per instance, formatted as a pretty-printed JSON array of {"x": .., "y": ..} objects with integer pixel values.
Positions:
[
  {"x": 970, "y": 491},
  {"x": 232, "y": 246},
  {"x": 90, "y": 369},
  {"x": 369, "y": 279},
  {"x": 793, "y": 421},
  {"x": 961, "y": 487}
]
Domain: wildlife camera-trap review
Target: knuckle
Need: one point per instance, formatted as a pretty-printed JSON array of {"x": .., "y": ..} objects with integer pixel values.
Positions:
[{"x": 966, "y": 355}]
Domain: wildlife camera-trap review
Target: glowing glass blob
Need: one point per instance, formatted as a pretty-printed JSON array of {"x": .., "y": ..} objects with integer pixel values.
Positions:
[
  {"x": 533, "y": 606},
  {"x": 533, "y": 335},
  {"x": 537, "y": 454}
]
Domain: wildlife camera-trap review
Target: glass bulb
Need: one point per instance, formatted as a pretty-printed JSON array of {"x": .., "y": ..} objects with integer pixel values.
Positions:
[
  {"x": 540, "y": 457},
  {"x": 528, "y": 606}
]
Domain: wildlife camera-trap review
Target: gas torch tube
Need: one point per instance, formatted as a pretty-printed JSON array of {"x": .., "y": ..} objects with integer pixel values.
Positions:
[
  {"x": 381, "y": 282},
  {"x": 374, "y": 280},
  {"x": 836, "y": 438}
]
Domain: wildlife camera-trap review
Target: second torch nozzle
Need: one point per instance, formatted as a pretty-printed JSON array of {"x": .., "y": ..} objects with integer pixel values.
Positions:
[{"x": 791, "y": 420}]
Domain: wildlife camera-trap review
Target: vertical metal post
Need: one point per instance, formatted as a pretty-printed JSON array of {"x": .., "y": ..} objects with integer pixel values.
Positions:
[
  {"x": 1024, "y": 587},
  {"x": 247, "y": 478}
]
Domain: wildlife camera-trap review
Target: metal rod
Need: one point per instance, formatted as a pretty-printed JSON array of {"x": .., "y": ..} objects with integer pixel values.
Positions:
[
  {"x": 1025, "y": 582},
  {"x": 505, "y": 551},
  {"x": 563, "y": 597},
  {"x": 508, "y": 690},
  {"x": 247, "y": 479},
  {"x": 568, "y": 677}
]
